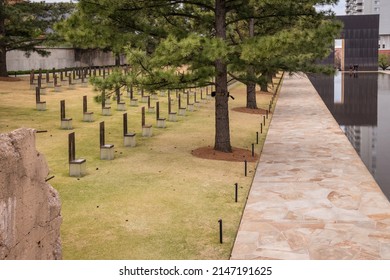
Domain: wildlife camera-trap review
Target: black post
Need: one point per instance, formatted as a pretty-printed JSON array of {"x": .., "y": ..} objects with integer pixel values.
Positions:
[
  {"x": 103, "y": 99},
  {"x": 72, "y": 147},
  {"x": 220, "y": 231},
  {"x": 102, "y": 140},
  {"x": 124, "y": 124},
  {"x": 62, "y": 109},
  {"x": 143, "y": 117},
  {"x": 257, "y": 137},
  {"x": 236, "y": 192},
  {"x": 264, "y": 120},
  {"x": 169, "y": 102},
  {"x": 32, "y": 77},
  {"x": 85, "y": 104},
  {"x": 39, "y": 81},
  {"x": 266, "y": 112},
  {"x": 37, "y": 95},
  {"x": 253, "y": 150},
  {"x": 246, "y": 167},
  {"x": 157, "y": 110},
  {"x": 261, "y": 128}
]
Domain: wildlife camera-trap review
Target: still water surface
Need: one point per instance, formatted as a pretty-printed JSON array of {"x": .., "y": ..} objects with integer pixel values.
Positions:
[{"x": 360, "y": 103}]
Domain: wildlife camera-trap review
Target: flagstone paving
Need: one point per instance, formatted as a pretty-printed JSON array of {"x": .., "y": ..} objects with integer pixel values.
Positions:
[{"x": 312, "y": 197}]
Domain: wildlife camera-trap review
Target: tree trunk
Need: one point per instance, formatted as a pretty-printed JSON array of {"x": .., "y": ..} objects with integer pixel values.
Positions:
[
  {"x": 3, "y": 62},
  {"x": 117, "y": 89},
  {"x": 251, "y": 102},
  {"x": 251, "y": 95},
  {"x": 3, "y": 49},
  {"x": 222, "y": 130},
  {"x": 264, "y": 86},
  {"x": 117, "y": 60}
]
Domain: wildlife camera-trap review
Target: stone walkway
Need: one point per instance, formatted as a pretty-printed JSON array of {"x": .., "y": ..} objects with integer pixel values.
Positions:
[{"x": 312, "y": 197}]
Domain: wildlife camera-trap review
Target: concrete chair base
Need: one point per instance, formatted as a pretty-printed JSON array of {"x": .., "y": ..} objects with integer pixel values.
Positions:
[
  {"x": 161, "y": 123},
  {"x": 151, "y": 110},
  {"x": 41, "y": 106},
  {"x": 72, "y": 86},
  {"x": 182, "y": 111},
  {"x": 57, "y": 88},
  {"x": 121, "y": 106},
  {"x": 134, "y": 102},
  {"x": 147, "y": 131},
  {"x": 78, "y": 168},
  {"x": 129, "y": 140},
  {"x": 190, "y": 107},
  {"x": 66, "y": 124},
  {"x": 154, "y": 96},
  {"x": 107, "y": 152},
  {"x": 43, "y": 90},
  {"x": 88, "y": 117},
  {"x": 144, "y": 99},
  {"x": 172, "y": 117},
  {"x": 106, "y": 111}
]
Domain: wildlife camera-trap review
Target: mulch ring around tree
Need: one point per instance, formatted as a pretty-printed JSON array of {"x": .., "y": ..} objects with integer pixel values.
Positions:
[
  {"x": 9, "y": 79},
  {"x": 237, "y": 154},
  {"x": 257, "y": 111}
]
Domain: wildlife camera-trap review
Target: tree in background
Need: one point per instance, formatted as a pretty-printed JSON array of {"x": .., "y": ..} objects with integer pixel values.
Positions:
[
  {"x": 25, "y": 26},
  {"x": 188, "y": 44},
  {"x": 271, "y": 19},
  {"x": 384, "y": 60}
]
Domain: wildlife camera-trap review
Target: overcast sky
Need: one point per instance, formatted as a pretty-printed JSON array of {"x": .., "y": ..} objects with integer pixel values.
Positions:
[{"x": 340, "y": 8}]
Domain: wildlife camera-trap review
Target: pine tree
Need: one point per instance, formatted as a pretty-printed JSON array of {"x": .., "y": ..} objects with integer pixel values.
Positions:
[
  {"x": 197, "y": 35},
  {"x": 25, "y": 26}
]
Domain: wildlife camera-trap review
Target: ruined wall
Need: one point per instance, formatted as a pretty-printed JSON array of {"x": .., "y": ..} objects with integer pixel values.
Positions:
[
  {"x": 30, "y": 215},
  {"x": 59, "y": 58}
]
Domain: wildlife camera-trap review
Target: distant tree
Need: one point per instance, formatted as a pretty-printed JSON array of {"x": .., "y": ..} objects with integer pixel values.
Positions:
[
  {"x": 384, "y": 60},
  {"x": 189, "y": 44},
  {"x": 25, "y": 26}
]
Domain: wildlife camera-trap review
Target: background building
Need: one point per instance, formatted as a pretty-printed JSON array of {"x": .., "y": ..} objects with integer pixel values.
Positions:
[{"x": 381, "y": 7}]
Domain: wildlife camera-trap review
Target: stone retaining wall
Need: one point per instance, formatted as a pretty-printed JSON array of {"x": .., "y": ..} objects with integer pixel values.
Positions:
[{"x": 30, "y": 208}]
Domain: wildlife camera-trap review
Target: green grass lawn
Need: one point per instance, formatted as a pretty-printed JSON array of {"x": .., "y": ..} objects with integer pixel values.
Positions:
[{"x": 153, "y": 201}]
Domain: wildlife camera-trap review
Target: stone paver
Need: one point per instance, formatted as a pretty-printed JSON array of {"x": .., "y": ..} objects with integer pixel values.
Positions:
[{"x": 312, "y": 197}]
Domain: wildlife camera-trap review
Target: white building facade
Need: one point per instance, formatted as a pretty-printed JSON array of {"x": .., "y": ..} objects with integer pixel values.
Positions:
[{"x": 381, "y": 7}]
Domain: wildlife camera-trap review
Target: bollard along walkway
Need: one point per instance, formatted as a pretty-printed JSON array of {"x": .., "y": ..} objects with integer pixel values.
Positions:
[{"x": 312, "y": 197}]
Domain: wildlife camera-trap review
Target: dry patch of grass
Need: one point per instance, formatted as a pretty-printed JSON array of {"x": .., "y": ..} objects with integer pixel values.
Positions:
[{"x": 153, "y": 201}]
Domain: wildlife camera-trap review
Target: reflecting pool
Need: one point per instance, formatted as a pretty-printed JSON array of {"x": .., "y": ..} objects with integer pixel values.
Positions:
[{"x": 360, "y": 103}]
